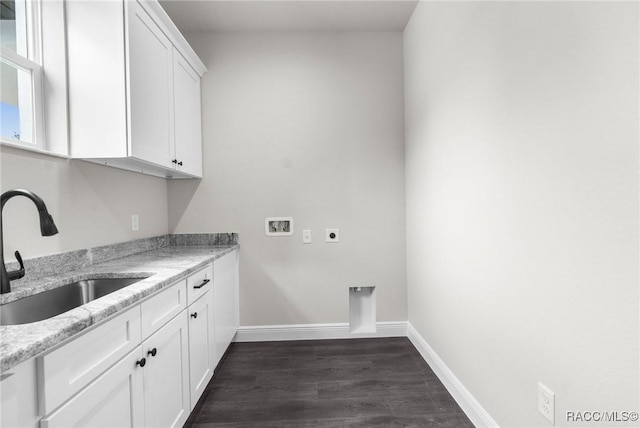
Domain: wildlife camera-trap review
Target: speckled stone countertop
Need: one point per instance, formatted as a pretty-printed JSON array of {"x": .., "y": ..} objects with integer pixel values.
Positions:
[{"x": 159, "y": 267}]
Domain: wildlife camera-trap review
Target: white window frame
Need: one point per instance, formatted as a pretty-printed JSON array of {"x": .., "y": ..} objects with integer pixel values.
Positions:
[
  {"x": 43, "y": 109},
  {"x": 37, "y": 103}
]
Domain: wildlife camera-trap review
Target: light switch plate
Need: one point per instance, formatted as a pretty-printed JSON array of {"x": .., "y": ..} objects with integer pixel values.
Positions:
[{"x": 306, "y": 236}]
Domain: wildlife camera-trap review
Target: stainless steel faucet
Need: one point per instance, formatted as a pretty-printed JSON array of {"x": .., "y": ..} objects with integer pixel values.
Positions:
[{"x": 47, "y": 228}]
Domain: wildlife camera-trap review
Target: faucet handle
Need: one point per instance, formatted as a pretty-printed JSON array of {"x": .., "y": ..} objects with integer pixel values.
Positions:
[
  {"x": 17, "y": 273},
  {"x": 19, "y": 259}
]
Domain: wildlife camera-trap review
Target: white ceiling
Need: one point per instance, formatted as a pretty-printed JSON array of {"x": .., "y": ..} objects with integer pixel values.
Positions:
[{"x": 296, "y": 15}]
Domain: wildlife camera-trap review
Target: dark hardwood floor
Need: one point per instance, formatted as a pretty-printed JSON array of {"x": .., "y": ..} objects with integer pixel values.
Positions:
[{"x": 326, "y": 383}]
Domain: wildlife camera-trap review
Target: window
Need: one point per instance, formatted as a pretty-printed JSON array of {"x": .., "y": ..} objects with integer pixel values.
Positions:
[{"x": 21, "y": 103}]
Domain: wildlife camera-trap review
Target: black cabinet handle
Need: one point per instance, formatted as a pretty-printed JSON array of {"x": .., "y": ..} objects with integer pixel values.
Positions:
[
  {"x": 194, "y": 315},
  {"x": 153, "y": 352},
  {"x": 174, "y": 161},
  {"x": 141, "y": 362},
  {"x": 205, "y": 282},
  {"x": 180, "y": 163}
]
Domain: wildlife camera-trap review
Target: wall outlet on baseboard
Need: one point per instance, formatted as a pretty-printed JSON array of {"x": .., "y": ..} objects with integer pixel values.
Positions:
[{"x": 546, "y": 402}]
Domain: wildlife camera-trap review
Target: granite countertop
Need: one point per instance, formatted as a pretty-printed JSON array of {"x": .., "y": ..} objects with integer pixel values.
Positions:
[{"x": 159, "y": 267}]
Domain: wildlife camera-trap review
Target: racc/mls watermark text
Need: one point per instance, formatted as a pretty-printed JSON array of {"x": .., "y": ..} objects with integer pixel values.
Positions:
[{"x": 602, "y": 416}]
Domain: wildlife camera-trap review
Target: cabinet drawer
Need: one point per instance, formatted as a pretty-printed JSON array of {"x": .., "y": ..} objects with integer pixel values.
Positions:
[
  {"x": 199, "y": 283},
  {"x": 68, "y": 369},
  {"x": 161, "y": 308},
  {"x": 115, "y": 399}
]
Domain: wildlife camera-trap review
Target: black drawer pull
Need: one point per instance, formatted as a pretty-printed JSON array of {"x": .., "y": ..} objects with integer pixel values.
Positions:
[
  {"x": 194, "y": 315},
  {"x": 205, "y": 282},
  {"x": 153, "y": 352},
  {"x": 141, "y": 362}
]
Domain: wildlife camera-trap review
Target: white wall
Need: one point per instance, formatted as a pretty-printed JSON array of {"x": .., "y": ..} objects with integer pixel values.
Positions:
[
  {"x": 307, "y": 125},
  {"x": 91, "y": 204},
  {"x": 522, "y": 201}
]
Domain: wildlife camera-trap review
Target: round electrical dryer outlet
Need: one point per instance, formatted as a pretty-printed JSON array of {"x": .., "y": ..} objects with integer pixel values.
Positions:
[{"x": 333, "y": 235}]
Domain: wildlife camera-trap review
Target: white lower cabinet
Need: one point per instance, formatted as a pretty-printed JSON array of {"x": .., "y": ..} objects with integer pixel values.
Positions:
[
  {"x": 83, "y": 385},
  {"x": 114, "y": 399},
  {"x": 148, "y": 387},
  {"x": 144, "y": 367},
  {"x": 166, "y": 375},
  {"x": 226, "y": 312},
  {"x": 200, "y": 358},
  {"x": 71, "y": 367},
  {"x": 19, "y": 396}
]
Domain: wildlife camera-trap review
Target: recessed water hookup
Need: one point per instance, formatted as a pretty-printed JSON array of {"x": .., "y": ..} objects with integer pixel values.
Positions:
[
  {"x": 278, "y": 226},
  {"x": 362, "y": 310}
]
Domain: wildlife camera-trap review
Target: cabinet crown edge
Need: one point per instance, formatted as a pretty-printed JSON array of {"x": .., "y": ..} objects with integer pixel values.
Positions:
[{"x": 161, "y": 18}]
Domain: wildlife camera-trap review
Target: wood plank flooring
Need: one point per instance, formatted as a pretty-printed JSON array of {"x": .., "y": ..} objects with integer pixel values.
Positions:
[{"x": 326, "y": 383}]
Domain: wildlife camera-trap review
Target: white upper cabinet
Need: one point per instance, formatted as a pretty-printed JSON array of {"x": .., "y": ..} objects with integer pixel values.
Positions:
[
  {"x": 187, "y": 116},
  {"x": 150, "y": 88},
  {"x": 134, "y": 89}
]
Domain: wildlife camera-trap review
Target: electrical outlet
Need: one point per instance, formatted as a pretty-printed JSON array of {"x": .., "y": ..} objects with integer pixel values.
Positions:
[
  {"x": 135, "y": 222},
  {"x": 306, "y": 236},
  {"x": 333, "y": 235},
  {"x": 546, "y": 402}
]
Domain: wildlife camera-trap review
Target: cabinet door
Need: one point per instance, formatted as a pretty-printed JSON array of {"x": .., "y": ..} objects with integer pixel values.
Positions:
[
  {"x": 19, "y": 396},
  {"x": 166, "y": 375},
  {"x": 225, "y": 277},
  {"x": 96, "y": 84},
  {"x": 115, "y": 399},
  {"x": 187, "y": 111},
  {"x": 150, "y": 88},
  {"x": 72, "y": 366},
  {"x": 200, "y": 358}
]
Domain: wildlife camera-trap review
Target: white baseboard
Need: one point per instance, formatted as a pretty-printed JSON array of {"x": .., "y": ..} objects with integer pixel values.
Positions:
[
  {"x": 269, "y": 333},
  {"x": 472, "y": 408}
]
